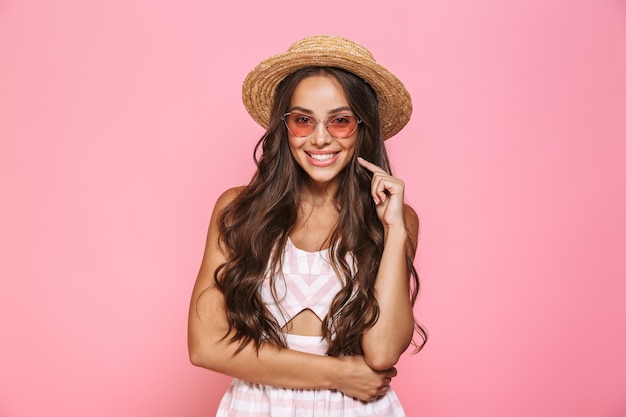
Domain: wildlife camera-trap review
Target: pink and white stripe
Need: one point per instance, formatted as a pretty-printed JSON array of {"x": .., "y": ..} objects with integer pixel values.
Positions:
[
  {"x": 244, "y": 399},
  {"x": 307, "y": 281}
]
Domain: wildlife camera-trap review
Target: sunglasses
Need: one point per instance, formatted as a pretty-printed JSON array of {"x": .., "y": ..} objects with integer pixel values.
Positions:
[{"x": 339, "y": 126}]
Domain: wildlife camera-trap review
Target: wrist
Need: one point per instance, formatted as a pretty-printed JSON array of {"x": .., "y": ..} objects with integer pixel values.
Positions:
[
  {"x": 330, "y": 375},
  {"x": 396, "y": 232}
]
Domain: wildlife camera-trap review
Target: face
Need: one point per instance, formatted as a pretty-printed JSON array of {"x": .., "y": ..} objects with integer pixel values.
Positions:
[{"x": 320, "y": 155}]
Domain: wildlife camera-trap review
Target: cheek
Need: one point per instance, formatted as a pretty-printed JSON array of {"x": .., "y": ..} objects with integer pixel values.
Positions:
[
  {"x": 350, "y": 145},
  {"x": 294, "y": 145}
]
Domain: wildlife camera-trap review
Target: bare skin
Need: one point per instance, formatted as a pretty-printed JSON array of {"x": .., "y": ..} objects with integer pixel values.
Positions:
[{"x": 364, "y": 377}]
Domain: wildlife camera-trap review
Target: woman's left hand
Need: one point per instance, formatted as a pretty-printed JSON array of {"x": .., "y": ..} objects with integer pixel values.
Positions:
[{"x": 388, "y": 195}]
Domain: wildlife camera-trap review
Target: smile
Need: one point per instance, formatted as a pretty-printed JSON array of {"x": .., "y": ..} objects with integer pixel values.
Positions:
[{"x": 322, "y": 157}]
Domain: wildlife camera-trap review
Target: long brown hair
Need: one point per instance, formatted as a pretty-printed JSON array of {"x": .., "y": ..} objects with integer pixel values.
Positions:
[{"x": 255, "y": 227}]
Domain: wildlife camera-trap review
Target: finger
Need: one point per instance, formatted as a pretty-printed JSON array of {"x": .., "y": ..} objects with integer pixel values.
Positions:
[
  {"x": 370, "y": 166},
  {"x": 379, "y": 187},
  {"x": 392, "y": 372},
  {"x": 381, "y": 393},
  {"x": 375, "y": 189},
  {"x": 384, "y": 185}
]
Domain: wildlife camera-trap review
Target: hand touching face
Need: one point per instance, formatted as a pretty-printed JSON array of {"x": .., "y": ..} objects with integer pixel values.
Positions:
[{"x": 388, "y": 194}]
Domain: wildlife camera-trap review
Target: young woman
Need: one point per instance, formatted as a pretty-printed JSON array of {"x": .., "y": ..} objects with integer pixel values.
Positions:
[{"x": 306, "y": 290}]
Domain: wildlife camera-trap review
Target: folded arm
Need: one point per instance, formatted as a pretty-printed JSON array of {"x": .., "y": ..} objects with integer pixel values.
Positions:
[
  {"x": 384, "y": 342},
  {"x": 210, "y": 345}
]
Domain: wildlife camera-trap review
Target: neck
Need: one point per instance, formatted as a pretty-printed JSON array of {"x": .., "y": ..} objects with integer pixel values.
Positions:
[{"x": 319, "y": 194}]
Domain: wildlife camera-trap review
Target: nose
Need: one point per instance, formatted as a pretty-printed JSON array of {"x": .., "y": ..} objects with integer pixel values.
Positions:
[{"x": 320, "y": 136}]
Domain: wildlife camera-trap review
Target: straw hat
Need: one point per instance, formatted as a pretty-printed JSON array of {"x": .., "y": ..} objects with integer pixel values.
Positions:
[{"x": 394, "y": 101}]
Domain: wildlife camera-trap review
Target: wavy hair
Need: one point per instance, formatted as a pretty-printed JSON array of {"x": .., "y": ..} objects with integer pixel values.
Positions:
[{"x": 255, "y": 226}]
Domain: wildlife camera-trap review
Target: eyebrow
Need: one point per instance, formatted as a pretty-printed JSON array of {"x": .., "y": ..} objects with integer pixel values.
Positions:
[{"x": 333, "y": 111}]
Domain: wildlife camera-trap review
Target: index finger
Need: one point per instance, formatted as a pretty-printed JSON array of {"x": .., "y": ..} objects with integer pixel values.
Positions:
[{"x": 370, "y": 166}]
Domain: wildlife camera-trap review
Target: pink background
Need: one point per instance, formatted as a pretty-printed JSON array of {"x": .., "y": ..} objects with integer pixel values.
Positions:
[{"x": 121, "y": 122}]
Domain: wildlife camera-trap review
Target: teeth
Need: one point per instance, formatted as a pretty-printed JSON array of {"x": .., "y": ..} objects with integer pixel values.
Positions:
[{"x": 322, "y": 157}]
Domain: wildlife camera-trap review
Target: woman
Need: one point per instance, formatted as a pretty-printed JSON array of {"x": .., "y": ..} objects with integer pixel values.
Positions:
[{"x": 306, "y": 290}]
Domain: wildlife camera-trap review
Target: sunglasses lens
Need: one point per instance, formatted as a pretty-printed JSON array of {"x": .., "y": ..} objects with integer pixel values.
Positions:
[
  {"x": 300, "y": 124},
  {"x": 338, "y": 127},
  {"x": 341, "y": 126}
]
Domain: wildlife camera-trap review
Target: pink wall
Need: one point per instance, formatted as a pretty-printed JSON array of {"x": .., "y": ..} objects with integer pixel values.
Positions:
[{"x": 121, "y": 122}]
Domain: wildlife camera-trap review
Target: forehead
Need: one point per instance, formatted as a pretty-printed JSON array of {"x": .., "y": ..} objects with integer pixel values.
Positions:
[{"x": 319, "y": 93}]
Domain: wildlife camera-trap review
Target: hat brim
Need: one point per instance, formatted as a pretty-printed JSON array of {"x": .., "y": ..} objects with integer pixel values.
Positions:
[{"x": 394, "y": 101}]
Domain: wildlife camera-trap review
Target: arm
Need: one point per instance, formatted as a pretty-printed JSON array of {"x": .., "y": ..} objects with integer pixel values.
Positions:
[
  {"x": 384, "y": 342},
  {"x": 271, "y": 365}
]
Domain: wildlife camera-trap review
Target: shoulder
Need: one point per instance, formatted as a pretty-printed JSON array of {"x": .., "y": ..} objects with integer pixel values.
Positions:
[
  {"x": 213, "y": 244},
  {"x": 222, "y": 202},
  {"x": 227, "y": 197},
  {"x": 411, "y": 221}
]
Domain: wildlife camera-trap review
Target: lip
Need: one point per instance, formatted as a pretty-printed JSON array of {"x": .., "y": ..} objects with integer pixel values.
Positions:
[{"x": 324, "y": 163}]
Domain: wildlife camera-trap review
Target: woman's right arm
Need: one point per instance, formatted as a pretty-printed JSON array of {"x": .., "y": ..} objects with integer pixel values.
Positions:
[{"x": 270, "y": 365}]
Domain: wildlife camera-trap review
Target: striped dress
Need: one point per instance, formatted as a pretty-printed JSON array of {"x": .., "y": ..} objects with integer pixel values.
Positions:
[{"x": 307, "y": 281}]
